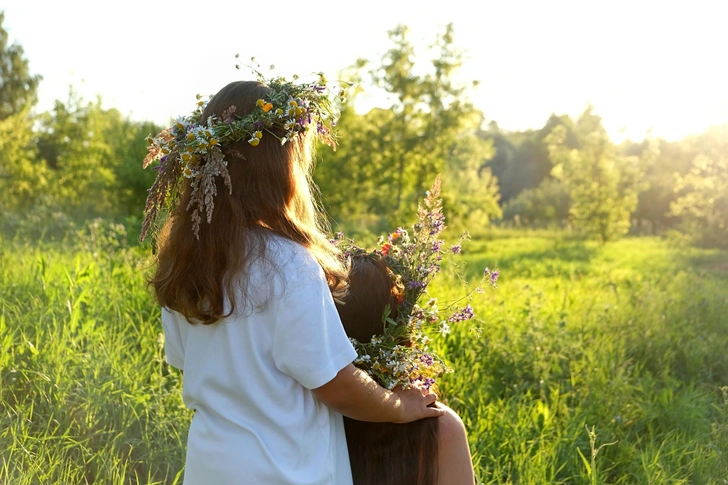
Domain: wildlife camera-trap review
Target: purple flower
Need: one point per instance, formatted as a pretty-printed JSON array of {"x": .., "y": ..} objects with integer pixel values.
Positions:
[
  {"x": 464, "y": 314},
  {"x": 494, "y": 276},
  {"x": 429, "y": 381},
  {"x": 426, "y": 359},
  {"x": 455, "y": 249},
  {"x": 415, "y": 284},
  {"x": 436, "y": 246}
]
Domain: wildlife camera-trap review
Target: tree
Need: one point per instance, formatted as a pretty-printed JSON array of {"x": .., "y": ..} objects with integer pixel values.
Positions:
[
  {"x": 22, "y": 178},
  {"x": 521, "y": 160},
  {"x": 602, "y": 184},
  {"x": 388, "y": 157},
  {"x": 702, "y": 201},
  {"x": 546, "y": 205},
  {"x": 17, "y": 85}
]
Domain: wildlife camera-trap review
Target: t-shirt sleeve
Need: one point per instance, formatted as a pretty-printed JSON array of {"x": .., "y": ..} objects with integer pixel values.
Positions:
[
  {"x": 310, "y": 344},
  {"x": 174, "y": 338}
]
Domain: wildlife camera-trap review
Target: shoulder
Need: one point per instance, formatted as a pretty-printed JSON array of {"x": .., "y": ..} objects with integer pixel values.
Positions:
[
  {"x": 451, "y": 426},
  {"x": 293, "y": 259}
]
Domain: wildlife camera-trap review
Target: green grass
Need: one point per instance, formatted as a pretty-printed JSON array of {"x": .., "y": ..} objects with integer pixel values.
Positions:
[{"x": 582, "y": 345}]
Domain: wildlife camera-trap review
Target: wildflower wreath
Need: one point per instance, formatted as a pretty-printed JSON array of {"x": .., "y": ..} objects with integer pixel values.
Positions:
[
  {"x": 192, "y": 147},
  {"x": 401, "y": 354}
]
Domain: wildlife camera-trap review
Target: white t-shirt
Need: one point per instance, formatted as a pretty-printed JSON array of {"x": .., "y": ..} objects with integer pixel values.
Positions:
[{"x": 249, "y": 379}]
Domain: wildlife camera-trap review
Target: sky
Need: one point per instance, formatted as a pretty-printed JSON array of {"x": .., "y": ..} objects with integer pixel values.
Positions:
[{"x": 649, "y": 68}]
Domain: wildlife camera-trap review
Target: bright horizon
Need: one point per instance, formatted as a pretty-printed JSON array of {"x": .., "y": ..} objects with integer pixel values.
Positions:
[{"x": 647, "y": 66}]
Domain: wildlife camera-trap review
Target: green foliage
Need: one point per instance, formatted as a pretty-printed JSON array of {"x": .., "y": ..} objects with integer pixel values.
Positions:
[
  {"x": 703, "y": 191},
  {"x": 85, "y": 396},
  {"x": 628, "y": 339},
  {"x": 602, "y": 184},
  {"x": 521, "y": 160},
  {"x": 17, "y": 86},
  {"x": 548, "y": 204},
  {"x": 388, "y": 157},
  {"x": 22, "y": 178}
]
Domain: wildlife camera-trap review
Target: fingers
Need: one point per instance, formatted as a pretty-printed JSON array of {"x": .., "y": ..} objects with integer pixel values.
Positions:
[
  {"x": 430, "y": 398},
  {"x": 435, "y": 412}
]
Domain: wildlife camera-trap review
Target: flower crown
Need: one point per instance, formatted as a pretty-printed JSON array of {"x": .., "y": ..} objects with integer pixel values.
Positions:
[
  {"x": 192, "y": 147},
  {"x": 400, "y": 355}
]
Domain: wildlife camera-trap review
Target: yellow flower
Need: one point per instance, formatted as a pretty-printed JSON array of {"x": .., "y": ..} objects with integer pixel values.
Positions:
[
  {"x": 190, "y": 136},
  {"x": 186, "y": 157},
  {"x": 260, "y": 102},
  {"x": 200, "y": 103},
  {"x": 149, "y": 140},
  {"x": 292, "y": 103},
  {"x": 255, "y": 139},
  {"x": 279, "y": 112},
  {"x": 187, "y": 172},
  {"x": 213, "y": 141},
  {"x": 299, "y": 111},
  {"x": 165, "y": 150}
]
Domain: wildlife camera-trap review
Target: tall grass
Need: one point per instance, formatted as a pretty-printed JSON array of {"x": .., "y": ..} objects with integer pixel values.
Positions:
[
  {"x": 584, "y": 345},
  {"x": 581, "y": 346}
]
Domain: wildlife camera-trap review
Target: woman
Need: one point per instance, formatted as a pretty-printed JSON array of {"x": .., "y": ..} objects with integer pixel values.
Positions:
[
  {"x": 426, "y": 452},
  {"x": 245, "y": 276}
]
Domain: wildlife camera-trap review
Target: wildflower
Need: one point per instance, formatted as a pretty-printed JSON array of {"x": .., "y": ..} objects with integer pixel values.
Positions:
[
  {"x": 455, "y": 249},
  {"x": 444, "y": 328},
  {"x": 385, "y": 248},
  {"x": 254, "y": 140},
  {"x": 494, "y": 276},
  {"x": 290, "y": 125}
]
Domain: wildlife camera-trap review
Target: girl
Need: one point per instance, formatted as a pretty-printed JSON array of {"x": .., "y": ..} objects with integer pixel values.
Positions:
[
  {"x": 425, "y": 452},
  {"x": 245, "y": 276}
]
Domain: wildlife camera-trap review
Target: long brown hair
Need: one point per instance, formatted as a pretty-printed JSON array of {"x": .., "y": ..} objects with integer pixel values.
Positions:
[
  {"x": 272, "y": 191},
  {"x": 383, "y": 453}
]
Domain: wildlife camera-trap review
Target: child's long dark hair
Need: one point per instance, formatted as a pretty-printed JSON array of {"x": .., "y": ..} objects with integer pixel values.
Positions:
[{"x": 383, "y": 453}]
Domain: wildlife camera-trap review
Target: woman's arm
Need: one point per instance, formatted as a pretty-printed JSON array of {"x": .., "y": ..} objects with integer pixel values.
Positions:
[{"x": 356, "y": 395}]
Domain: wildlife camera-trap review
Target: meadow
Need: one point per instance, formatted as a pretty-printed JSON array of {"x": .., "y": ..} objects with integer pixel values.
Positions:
[{"x": 589, "y": 364}]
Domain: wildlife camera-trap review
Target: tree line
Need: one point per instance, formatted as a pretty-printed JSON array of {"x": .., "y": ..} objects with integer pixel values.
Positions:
[{"x": 80, "y": 161}]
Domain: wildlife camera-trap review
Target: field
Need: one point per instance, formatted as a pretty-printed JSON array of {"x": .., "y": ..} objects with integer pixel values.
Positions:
[{"x": 590, "y": 364}]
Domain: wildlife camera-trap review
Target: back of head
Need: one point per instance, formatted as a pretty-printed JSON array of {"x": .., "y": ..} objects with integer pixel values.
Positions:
[
  {"x": 370, "y": 293},
  {"x": 269, "y": 189}
]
